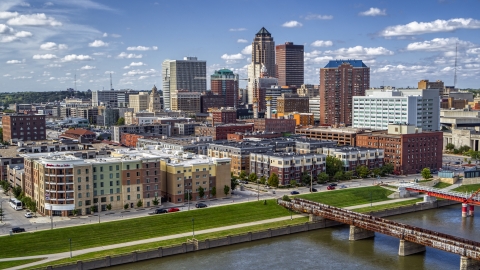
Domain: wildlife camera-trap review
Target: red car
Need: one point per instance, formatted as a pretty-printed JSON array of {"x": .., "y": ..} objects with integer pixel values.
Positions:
[
  {"x": 330, "y": 188},
  {"x": 173, "y": 209}
]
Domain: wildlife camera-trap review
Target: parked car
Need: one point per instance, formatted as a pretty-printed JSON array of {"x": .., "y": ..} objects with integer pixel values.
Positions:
[
  {"x": 313, "y": 190},
  {"x": 200, "y": 205},
  {"x": 330, "y": 187},
  {"x": 343, "y": 186},
  {"x": 17, "y": 230},
  {"x": 173, "y": 209},
  {"x": 294, "y": 192},
  {"x": 28, "y": 215},
  {"x": 160, "y": 211},
  {"x": 333, "y": 185},
  {"x": 273, "y": 192}
]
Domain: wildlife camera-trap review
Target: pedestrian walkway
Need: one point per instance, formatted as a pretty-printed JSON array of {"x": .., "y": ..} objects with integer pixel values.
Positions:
[
  {"x": 63, "y": 255},
  {"x": 383, "y": 202}
]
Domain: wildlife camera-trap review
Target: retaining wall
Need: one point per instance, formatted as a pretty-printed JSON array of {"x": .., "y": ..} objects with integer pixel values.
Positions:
[
  {"x": 233, "y": 239},
  {"x": 471, "y": 181}
]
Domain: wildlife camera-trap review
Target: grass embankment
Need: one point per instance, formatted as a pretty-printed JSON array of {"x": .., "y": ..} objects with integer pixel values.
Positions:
[
  {"x": 386, "y": 206},
  {"x": 176, "y": 241},
  {"x": 467, "y": 188},
  {"x": 442, "y": 185},
  {"x": 350, "y": 197},
  {"x": 88, "y": 236},
  {"x": 5, "y": 265}
]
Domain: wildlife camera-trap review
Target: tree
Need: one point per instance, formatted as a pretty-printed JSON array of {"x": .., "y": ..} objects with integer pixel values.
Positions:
[
  {"x": 17, "y": 191},
  {"x": 273, "y": 180},
  {"x": 322, "y": 177},
  {"x": 139, "y": 203},
  {"x": 242, "y": 175},
  {"x": 306, "y": 178},
  {"x": 121, "y": 121},
  {"x": 286, "y": 198},
  {"x": 450, "y": 146},
  {"x": 1, "y": 134},
  {"x": 75, "y": 212},
  {"x": 100, "y": 138},
  {"x": 125, "y": 207},
  {"x": 155, "y": 201},
  {"x": 333, "y": 165},
  {"x": 376, "y": 172},
  {"x": 338, "y": 176},
  {"x": 214, "y": 191},
  {"x": 109, "y": 206},
  {"x": 426, "y": 174},
  {"x": 226, "y": 189},
  {"x": 233, "y": 183},
  {"x": 93, "y": 209},
  {"x": 201, "y": 192},
  {"x": 188, "y": 196},
  {"x": 387, "y": 169},
  {"x": 463, "y": 149},
  {"x": 263, "y": 180},
  {"x": 362, "y": 171},
  {"x": 252, "y": 177},
  {"x": 293, "y": 183}
]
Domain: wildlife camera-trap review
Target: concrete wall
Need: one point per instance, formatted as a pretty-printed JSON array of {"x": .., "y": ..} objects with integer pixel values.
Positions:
[
  {"x": 471, "y": 181},
  {"x": 412, "y": 208}
]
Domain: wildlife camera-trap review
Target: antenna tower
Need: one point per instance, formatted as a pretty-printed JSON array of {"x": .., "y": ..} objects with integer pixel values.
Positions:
[
  {"x": 75, "y": 81},
  {"x": 455, "y": 75},
  {"x": 111, "y": 87}
]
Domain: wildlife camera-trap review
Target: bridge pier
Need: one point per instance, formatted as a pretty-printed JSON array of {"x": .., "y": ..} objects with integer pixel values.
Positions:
[
  {"x": 464, "y": 210},
  {"x": 471, "y": 210},
  {"x": 408, "y": 248},
  {"x": 357, "y": 233},
  {"x": 314, "y": 218},
  {"x": 469, "y": 263}
]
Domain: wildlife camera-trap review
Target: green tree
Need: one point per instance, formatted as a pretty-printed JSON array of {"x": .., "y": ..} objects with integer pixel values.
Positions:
[
  {"x": 226, "y": 189},
  {"x": 475, "y": 155},
  {"x": 286, "y": 198},
  {"x": 233, "y": 183},
  {"x": 201, "y": 192},
  {"x": 306, "y": 178},
  {"x": 338, "y": 176},
  {"x": 75, "y": 212},
  {"x": 362, "y": 171},
  {"x": 322, "y": 177},
  {"x": 109, "y": 206},
  {"x": 125, "y": 207},
  {"x": 273, "y": 180},
  {"x": 188, "y": 196},
  {"x": 243, "y": 175},
  {"x": 293, "y": 183},
  {"x": 263, "y": 180},
  {"x": 139, "y": 203},
  {"x": 464, "y": 149},
  {"x": 426, "y": 174},
  {"x": 252, "y": 177},
  {"x": 121, "y": 121},
  {"x": 387, "y": 169},
  {"x": 333, "y": 165},
  {"x": 214, "y": 191},
  {"x": 100, "y": 138},
  {"x": 155, "y": 201},
  {"x": 376, "y": 172},
  {"x": 347, "y": 175},
  {"x": 450, "y": 146},
  {"x": 17, "y": 191},
  {"x": 93, "y": 209},
  {"x": 1, "y": 134}
]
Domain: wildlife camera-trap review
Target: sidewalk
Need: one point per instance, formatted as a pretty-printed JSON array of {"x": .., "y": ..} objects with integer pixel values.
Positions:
[
  {"x": 383, "y": 202},
  {"x": 63, "y": 255}
]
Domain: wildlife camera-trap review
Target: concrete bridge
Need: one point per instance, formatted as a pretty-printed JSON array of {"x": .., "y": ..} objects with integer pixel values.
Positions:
[{"x": 412, "y": 239}]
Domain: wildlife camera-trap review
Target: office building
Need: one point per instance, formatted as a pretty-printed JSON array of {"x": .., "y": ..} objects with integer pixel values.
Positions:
[
  {"x": 154, "y": 101},
  {"x": 23, "y": 127},
  {"x": 224, "y": 83},
  {"x": 353, "y": 157},
  {"x": 263, "y": 53},
  {"x": 290, "y": 67},
  {"x": 308, "y": 90},
  {"x": 210, "y": 101},
  {"x": 343, "y": 136},
  {"x": 289, "y": 103},
  {"x": 220, "y": 132},
  {"x": 223, "y": 116},
  {"x": 185, "y": 101},
  {"x": 188, "y": 74},
  {"x": 340, "y": 80},
  {"x": 150, "y": 129},
  {"x": 426, "y": 84},
  {"x": 139, "y": 102},
  {"x": 274, "y": 125},
  {"x": 379, "y": 108},
  {"x": 112, "y": 98}
]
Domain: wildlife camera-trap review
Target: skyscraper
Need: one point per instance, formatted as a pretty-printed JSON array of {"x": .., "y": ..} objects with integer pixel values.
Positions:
[
  {"x": 187, "y": 74},
  {"x": 263, "y": 52},
  {"x": 223, "y": 82},
  {"x": 340, "y": 80},
  {"x": 289, "y": 59}
]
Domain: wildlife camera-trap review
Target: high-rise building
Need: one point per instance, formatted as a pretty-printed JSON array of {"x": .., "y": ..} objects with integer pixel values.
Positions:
[
  {"x": 187, "y": 74},
  {"x": 340, "y": 80},
  {"x": 289, "y": 103},
  {"x": 289, "y": 60},
  {"x": 112, "y": 98},
  {"x": 223, "y": 82},
  {"x": 154, "y": 101},
  {"x": 186, "y": 101},
  {"x": 263, "y": 52},
  {"x": 139, "y": 102},
  {"x": 23, "y": 127}
]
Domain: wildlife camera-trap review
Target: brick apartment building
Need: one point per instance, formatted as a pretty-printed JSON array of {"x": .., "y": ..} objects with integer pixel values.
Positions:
[
  {"x": 208, "y": 101},
  {"x": 224, "y": 116},
  {"x": 18, "y": 127},
  {"x": 289, "y": 103},
  {"x": 274, "y": 125},
  {"x": 225, "y": 83},
  {"x": 406, "y": 147},
  {"x": 220, "y": 132}
]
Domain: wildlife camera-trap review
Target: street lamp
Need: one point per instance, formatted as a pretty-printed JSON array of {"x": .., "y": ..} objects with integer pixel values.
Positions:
[
  {"x": 98, "y": 211},
  {"x": 188, "y": 199},
  {"x": 311, "y": 185},
  {"x": 370, "y": 199},
  {"x": 193, "y": 228},
  {"x": 258, "y": 190}
]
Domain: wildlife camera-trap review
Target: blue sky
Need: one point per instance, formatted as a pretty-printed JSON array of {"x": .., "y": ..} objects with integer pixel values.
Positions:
[{"x": 44, "y": 44}]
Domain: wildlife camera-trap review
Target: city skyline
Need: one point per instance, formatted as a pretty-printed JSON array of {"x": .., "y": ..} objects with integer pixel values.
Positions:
[{"x": 45, "y": 44}]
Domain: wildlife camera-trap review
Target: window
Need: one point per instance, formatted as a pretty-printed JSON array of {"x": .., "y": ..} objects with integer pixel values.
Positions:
[
  {"x": 117, "y": 167},
  {"x": 79, "y": 179},
  {"x": 86, "y": 179},
  {"x": 94, "y": 185},
  {"x": 138, "y": 188},
  {"x": 118, "y": 198},
  {"x": 88, "y": 194},
  {"x": 111, "y": 198},
  {"x": 118, "y": 190},
  {"x": 138, "y": 196},
  {"x": 138, "y": 166},
  {"x": 94, "y": 177},
  {"x": 128, "y": 174},
  {"x": 94, "y": 169},
  {"x": 101, "y": 176},
  {"x": 101, "y": 169},
  {"x": 86, "y": 171},
  {"x": 110, "y": 168},
  {"x": 101, "y": 184},
  {"x": 79, "y": 187},
  {"x": 118, "y": 182},
  {"x": 88, "y": 186},
  {"x": 197, "y": 176},
  {"x": 80, "y": 203},
  {"x": 128, "y": 197},
  {"x": 138, "y": 181},
  {"x": 79, "y": 171},
  {"x": 117, "y": 175},
  {"x": 128, "y": 189},
  {"x": 128, "y": 182},
  {"x": 128, "y": 168},
  {"x": 138, "y": 173},
  {"x": 79, "y": 195},
  {"x": 111, "y": 191}
]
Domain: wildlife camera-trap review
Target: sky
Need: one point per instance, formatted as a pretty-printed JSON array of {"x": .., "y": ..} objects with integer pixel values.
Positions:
[{"x": 45, "y": 45}]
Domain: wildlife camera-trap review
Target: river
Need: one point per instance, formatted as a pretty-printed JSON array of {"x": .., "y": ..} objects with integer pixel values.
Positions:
[{"x": 330, "y": 249}]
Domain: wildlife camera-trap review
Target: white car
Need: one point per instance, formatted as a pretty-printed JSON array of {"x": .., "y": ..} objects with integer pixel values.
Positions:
[{"x": 28, "y": 215}]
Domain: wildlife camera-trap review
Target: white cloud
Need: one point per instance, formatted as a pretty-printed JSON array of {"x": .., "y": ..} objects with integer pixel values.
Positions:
[
  {"x": 13, "y": 62},
  {"x": 98, "y": 53},
  {"x": 237, "y": 56},
  {"x": 418, "y": 28},
  {"x": 292, "y": 24},
  {"x": 142, "y": 48},
  {"x": 74, "y": 57},
  {"x": 7, "y": 75},
  {"x": 358, "y": 52},
  {"x": 23, "y": 34},
  {"x": 473, "y": 51},
  {"x": 402, "y": 68},
  {"x": 4, "y": 29},
  {"x": 123, "y": 55},
  {"x": 108, "y": 72},
  {"x": 87, "y": 67},
  {"x": 53, "y": 65},
  {"x": 7, "y": 39},
  {"x": 48, "y": 4},
  {"x": 116, "y": 35},
  {"x": 98, "y": 43},
  {"x": 39, "y": 19},
  {"x": 44, "y": 56},
  {"x": 8, "y": 15},
  {"x": 322, "y": 43},
  {"x": 143, "y": 77},
  {"x": 374, "y": 12},
  {"x": 135, "y": 64},
  {"x": 24, "y": 4},
  {"x": 438, "y": 44},
  {"x": 241, "y": 40},
  {"x": 318, "y": 17},
  {"x": 312, "y": 53},
  {"x": 22, "y": 78},
  {"x": 237, "y": 29},
  {"x": 105, "y": 35},
  {"x": 140, "y": 72},
  {"x": 247, "y": 50}
]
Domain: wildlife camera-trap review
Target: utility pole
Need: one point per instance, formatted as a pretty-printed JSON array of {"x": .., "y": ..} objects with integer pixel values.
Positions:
[
  {"x": 311, "y": 182},
  {"x": 70, "y": 240},
  {"x": 98, "y": 211},
  {"x": 51, "y": 217},
  {"x": 1, "y": 211},
  {"x": 258, "y": 190},
  {"x": 193, "y": 228},
  {"x": 188, "y": 199}
]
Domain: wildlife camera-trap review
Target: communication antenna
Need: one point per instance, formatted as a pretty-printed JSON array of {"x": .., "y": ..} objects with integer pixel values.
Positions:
[
  {"x": 455, "y": 75},
  {"x": 75, "y": 82},
  {"x": 111, "y": 87}
]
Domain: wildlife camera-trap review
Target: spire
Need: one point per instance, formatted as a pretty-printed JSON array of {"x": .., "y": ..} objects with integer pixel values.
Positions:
[
  {"x": 154, "y": 89},
  {"x": 263, "y": 32}
]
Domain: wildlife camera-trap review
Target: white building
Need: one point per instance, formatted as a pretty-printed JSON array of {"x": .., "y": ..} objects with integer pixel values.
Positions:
[
  {"x": 419, "y": 107},
  {"x": 314, "y": 105}
]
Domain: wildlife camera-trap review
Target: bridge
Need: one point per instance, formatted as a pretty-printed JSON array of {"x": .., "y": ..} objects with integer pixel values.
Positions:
[
  {"x": 412, "y": 239},
  {"x": 468, "y": 200}
]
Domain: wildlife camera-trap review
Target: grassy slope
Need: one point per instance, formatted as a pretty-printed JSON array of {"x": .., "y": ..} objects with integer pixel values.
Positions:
[
  {"x": 54, "y": 241},
  {"x": 349, "y": 197},
  {"x": 442, "y": 185},
  {"x": 467, "y": 188},
  {"x": 5, "y": 265},
  {"x": 386, "y": 206}
]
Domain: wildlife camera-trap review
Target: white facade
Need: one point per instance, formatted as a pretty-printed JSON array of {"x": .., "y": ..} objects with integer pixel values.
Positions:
[
  {"x": 314, "y": 106},
  {"x": 419, "y": 107}
]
